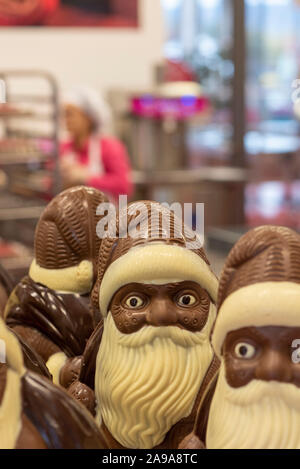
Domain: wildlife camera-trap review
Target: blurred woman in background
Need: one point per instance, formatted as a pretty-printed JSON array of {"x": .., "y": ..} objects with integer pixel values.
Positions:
[{"x": 88, "y": 157}]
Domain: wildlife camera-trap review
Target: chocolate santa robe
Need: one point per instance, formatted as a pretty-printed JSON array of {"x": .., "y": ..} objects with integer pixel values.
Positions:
[
  {"x": 51, "y": 419},
  {"x": 64, "y": 319}
]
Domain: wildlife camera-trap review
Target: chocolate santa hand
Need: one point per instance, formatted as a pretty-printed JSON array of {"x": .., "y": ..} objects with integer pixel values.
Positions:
[
  {"x": 191, "y": 442},
  {"x": 83, "y": 394},
  {"x": 35, "y": 414},
  {"x": 70, "y": 371}
]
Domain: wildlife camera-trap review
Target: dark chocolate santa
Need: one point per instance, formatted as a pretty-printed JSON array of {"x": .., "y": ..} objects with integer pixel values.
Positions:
[
  {"x": 34, "y": 413},
  {"x": 50, "y": 308},
  {"x": 150, "y": 361}
]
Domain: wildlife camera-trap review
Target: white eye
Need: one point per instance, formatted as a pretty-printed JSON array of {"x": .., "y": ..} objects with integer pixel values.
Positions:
[
  {"x": 134, "y": 302},
  {"x": 187, "y": 300},
  {"x": 244, "y": 350}
]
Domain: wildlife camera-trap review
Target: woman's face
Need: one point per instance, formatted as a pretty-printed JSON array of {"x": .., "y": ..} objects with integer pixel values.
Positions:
[{"x": 77, "y": 122}]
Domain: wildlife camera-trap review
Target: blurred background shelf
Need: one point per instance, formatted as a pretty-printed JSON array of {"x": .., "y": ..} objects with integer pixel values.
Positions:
[{"x": 29, "y": 150}]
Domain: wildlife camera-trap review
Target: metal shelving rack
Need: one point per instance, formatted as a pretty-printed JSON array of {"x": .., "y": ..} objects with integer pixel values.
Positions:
[{"x": 29, "y": 135}]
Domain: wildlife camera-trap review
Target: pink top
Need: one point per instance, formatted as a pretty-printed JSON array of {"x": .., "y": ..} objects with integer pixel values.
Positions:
[{"x": 115, "y": 179}]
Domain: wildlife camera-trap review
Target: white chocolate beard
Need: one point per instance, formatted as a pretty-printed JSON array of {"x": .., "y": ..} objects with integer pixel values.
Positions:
[
  {"x": 260, "y": 415},
  {"x": 145, "y": 384},
  {"x": 10, "y": 411}
]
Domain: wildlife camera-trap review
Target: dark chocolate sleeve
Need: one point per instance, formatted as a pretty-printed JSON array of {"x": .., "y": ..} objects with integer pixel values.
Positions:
[
  {"x": 62, "y": 422},
  {"x": 32, "y": 361}
]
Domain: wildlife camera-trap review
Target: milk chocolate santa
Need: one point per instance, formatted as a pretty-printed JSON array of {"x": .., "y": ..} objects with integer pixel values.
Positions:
[
  {"x": 150, "y": 361},
  {"x": 50, "y": 308},
  {"x": 34, "y": 413},
  {"x": 254, "y": 403}
]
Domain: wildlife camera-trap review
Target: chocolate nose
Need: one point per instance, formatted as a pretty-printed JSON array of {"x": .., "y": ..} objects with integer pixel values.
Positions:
[
  {"x": 161, "y": 312},
  {"x": 274, "y": 366}
]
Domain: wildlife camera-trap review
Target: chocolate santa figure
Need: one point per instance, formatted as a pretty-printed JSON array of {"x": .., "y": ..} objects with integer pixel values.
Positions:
[
  {"x": 34, "y": 413},
  {"x": 50, "y": 308},
  {"x": 254, "y": 402},
  {"x": 150, "y": 361}
]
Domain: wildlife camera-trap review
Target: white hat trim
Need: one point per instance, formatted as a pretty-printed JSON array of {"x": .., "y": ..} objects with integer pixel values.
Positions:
[{"x": 157, "y": 261}]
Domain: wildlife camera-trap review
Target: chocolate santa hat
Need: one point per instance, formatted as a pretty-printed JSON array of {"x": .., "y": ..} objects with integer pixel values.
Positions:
[
  {"x": 260, "y": 283},
  {"x": 156, "y": 246}
]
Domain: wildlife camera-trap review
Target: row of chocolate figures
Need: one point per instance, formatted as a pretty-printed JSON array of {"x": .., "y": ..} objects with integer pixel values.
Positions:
[{"x": 138, "y": 330}]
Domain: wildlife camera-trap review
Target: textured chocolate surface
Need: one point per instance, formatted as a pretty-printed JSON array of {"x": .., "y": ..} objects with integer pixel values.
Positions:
[
  {"x": 153, "y": 231},
  {"x": 66, "y": 232},
  {"x": 64, "y": 319},
  {"x": 266, "y": 254},
  {"x": 196, "y": 421}
]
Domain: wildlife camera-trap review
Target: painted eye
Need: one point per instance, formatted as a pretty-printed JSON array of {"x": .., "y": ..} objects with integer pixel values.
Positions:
[
  {"x": 134, "y": 302},
  {"x": 244, "y": 350},
  {"x": 186, "y": 300}
]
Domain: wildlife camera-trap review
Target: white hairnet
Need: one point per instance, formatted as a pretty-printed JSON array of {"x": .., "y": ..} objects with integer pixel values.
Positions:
[{"x": 92, "y": 104}]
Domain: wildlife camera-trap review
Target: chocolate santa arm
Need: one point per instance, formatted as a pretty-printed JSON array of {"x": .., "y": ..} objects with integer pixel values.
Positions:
[{"x": 6, "y": 287}]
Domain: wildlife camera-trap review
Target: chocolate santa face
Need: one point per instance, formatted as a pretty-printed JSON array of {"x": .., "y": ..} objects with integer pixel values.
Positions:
[
  {"x": 157, "y": 299},
  {"x": 256, "y": 400}
]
